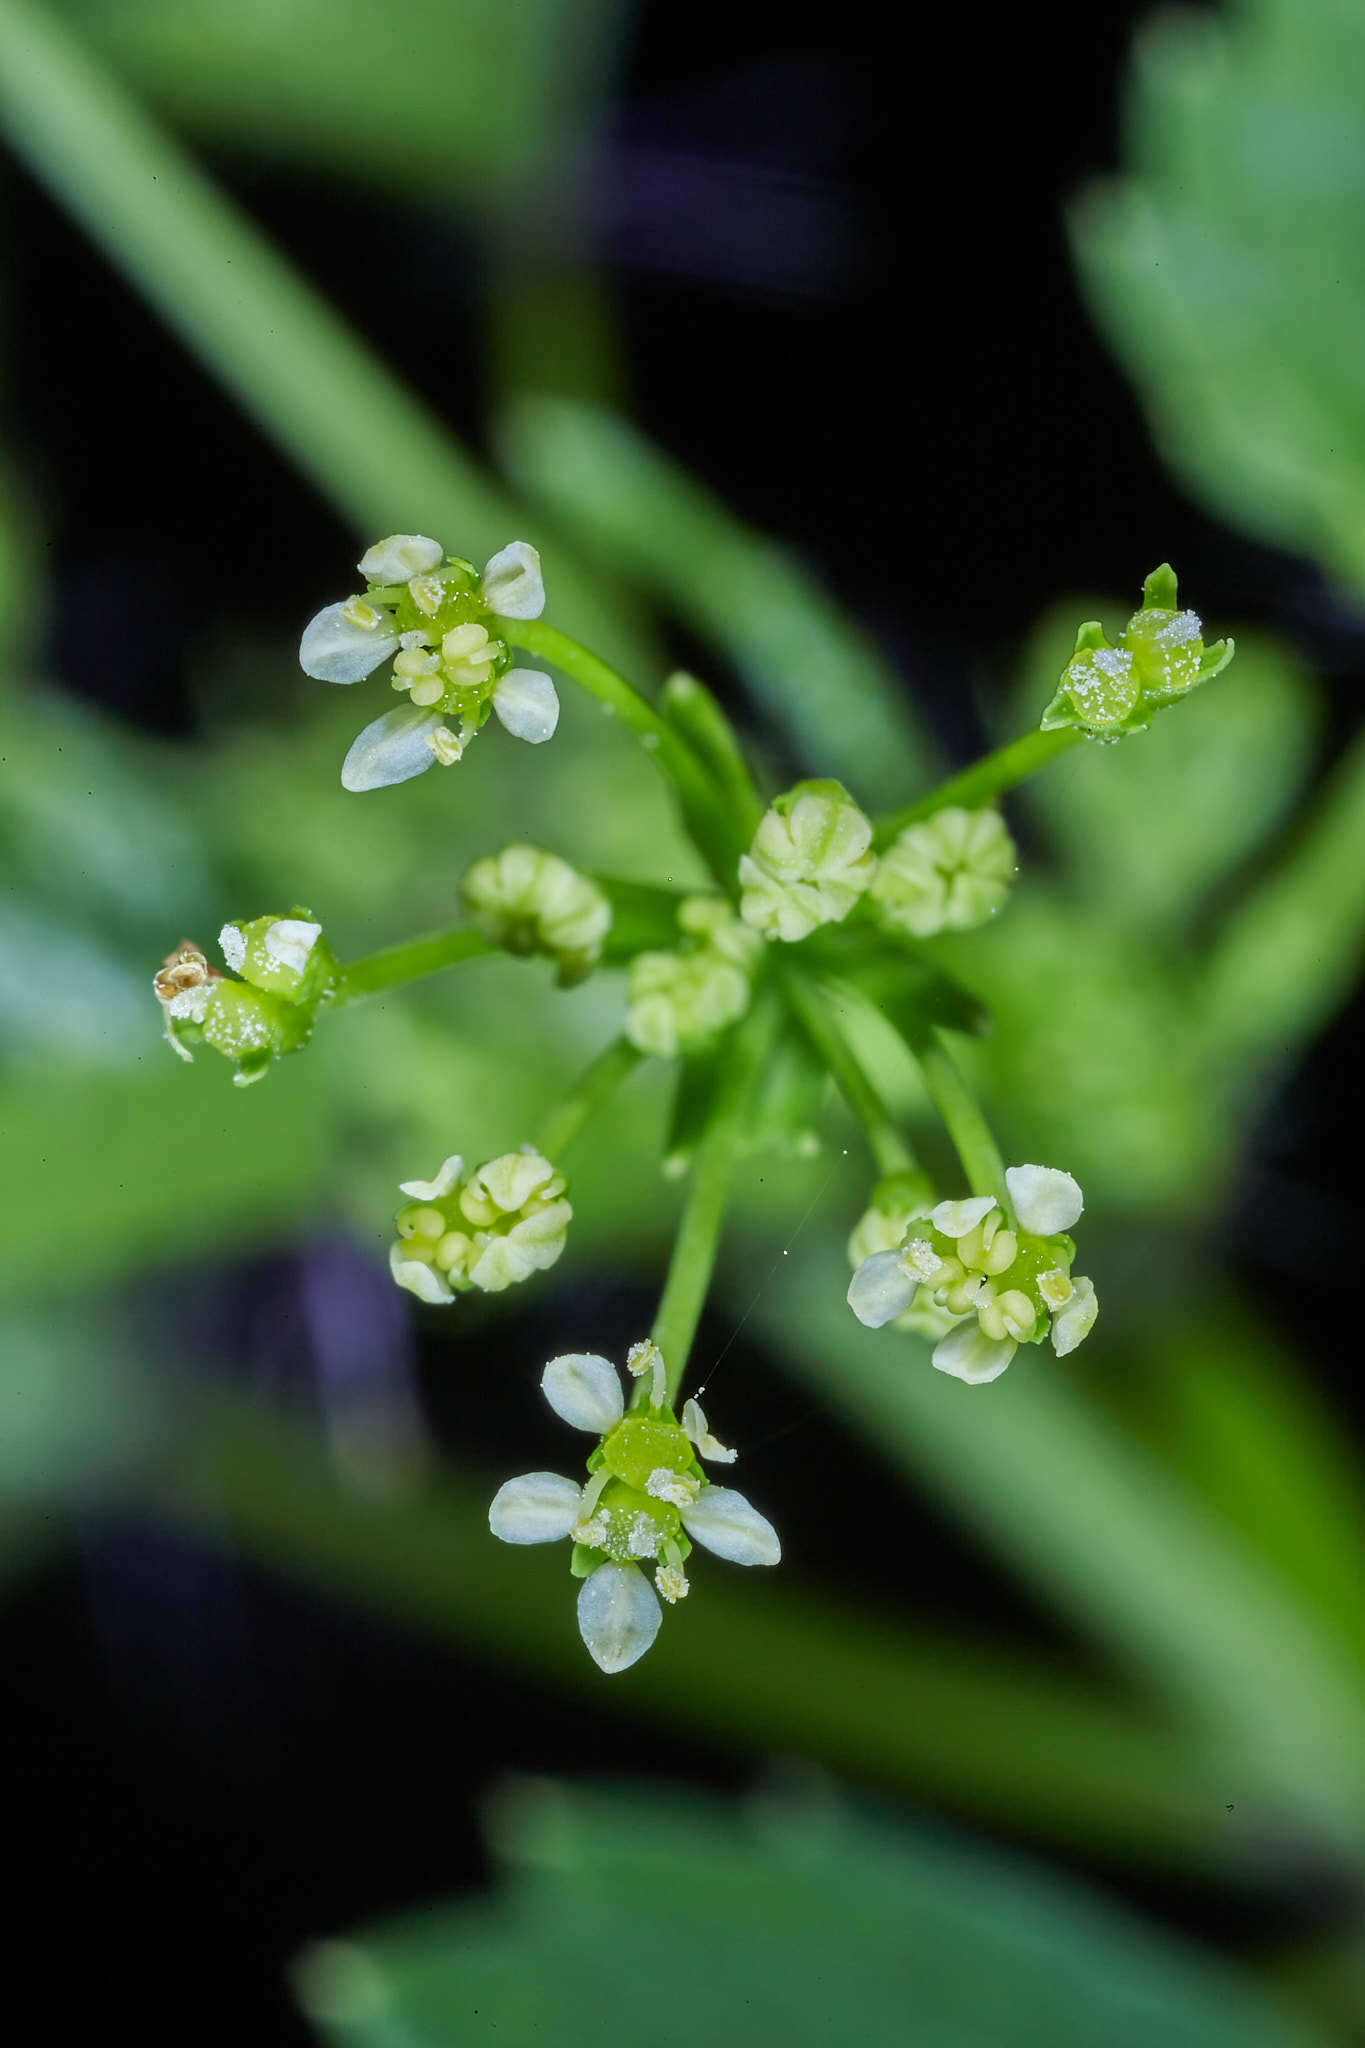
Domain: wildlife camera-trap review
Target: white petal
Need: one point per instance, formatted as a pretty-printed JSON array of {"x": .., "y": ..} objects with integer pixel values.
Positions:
[
  {"x": 400, "y": 556},
  {"x": 1045, "y": 1199},
  {"x": 527, "y": 704},
  {"x": 879, "y": 1291},
  {"x": 584, "y": 1391},
  {"x": 512, "y": 583},
  {"x": 968, "y": 1354},
  {"x": 434, "y": 1190},
  {"x": 955, "y": 1219},
  {"x": 540, "y": 1507},
  {"x": 723, "y": 1521},
  {"x": 513, "y": 1177},
  {"x": 289, "y": 941},
  {"x": 393, "y": 749},
  {"x": 1073, "y": 1323},
  {"x": 618, "y": 1615},
  {"x": 233, "y": 945},
  {"x": 695, "y": 1428},
  {"x": 420, "y": 1279},
  {"x": 334, "y": 651}
]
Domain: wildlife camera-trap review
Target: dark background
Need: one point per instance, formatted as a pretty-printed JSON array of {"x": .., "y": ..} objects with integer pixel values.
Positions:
[{"x": 846, "y": 300}]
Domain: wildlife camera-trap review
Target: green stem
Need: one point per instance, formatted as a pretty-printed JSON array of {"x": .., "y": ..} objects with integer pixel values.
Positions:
[
  {"x": 962, "y": 1117},
  {"x": 713, "y": 1171},
  {"x": 392, "y": 966},
  {"x": 706, "y": 815},
  {"x": 815, "y": 1009},
  {"x": 694, "y": 712},
  {"x": 989, "y": 777},
  {"x": 595, "y": 1085}
]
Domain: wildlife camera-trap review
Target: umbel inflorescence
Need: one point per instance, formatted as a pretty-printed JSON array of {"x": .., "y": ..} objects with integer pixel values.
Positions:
[{"x": 751, "y": 989}]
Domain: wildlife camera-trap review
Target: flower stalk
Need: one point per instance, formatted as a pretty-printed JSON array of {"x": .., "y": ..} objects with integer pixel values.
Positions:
[{"x": 708, "y": 1194}]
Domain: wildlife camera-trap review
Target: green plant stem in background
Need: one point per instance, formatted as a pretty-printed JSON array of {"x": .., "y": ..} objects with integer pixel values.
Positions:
[
  {"x": 696, "y": 713},
  {"x": 721, "y": 840},
  {"x": 708, "y": 1193},
  {"x": 413, "y": 960},
  {"x": 815, "y": 1012},
  {"x": 962, "y": 1117},
  {"x": 378, "y": 454},
  {"x": 595, "y": 1085},
  {"x": 987, "y": 778}
]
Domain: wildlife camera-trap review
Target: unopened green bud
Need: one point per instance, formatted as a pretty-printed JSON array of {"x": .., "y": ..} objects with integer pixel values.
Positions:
[
  {"x": 1108, "y": 691},
  {"x": 714, "y": 924},
  {"x": 810, "y": 861},
  {"x": 529, "y": 901},
  {"x": 948, "y": 873},
  {"x": 288, "y": 956},
  {"x": 681, "y": 1002}
]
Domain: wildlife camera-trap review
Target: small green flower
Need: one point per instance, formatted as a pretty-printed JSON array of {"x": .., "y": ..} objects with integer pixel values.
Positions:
[
  {"x": 948, "y": 873},
  {"x": 489, "y": 1230},
  {"x": 810, "y": 861},
  {"x": 1005, "y": 1283},
  {"x": 287, "y": 970},
  {"x": 1109, "y": 691},
  {"x": 436, "y": 617},
  {"x": 646, "y": 1501},
  {"x": 529, "y": 901}
]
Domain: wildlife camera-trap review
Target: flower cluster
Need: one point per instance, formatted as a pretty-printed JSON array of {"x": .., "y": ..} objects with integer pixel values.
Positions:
[
  {"x": 529, "y": 901},
  {"x": 487, "y": 1230},
  {"x": 287, "y": 969},
  {"x": 1005, "y": 1282},
  {"x": 645, "y": 1502},
  {"x": 950, "y": 872},
  {"x": 680, "y": 1002},
  {"x": 810, "y": 861},
  {"x": 437, "y": 619},
  {"x": 1108, "y": 691}
]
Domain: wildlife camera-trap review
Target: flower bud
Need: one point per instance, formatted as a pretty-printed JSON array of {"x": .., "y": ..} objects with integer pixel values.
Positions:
[
  {"x": 530, "y": 901},
  {"x": 810, "y": 861},
  {"x": 681, "y": 1002},
  {"x": 949, "y": 872}
]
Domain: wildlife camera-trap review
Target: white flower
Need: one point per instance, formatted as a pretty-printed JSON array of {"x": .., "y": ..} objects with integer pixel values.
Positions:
[
  {"x": 505, "y": 1222},
  {"x": 999, "y": 1285},
  {"x": 512, "y": 584},
  {"x": 527, "y": 704},
  {"x": 400, "y": 557},
  {"x": 646, "y": 1501},
  {"x": 392, "y": 749},
  {"x": 336, "y": 649}
]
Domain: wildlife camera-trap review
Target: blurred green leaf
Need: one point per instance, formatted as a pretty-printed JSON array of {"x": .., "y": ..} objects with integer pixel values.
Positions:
[
  {"x": 1291, "y": 951},
  {"x": 1150, "y": 827},
  {"x": 798, "y": 1924},
  {"x": 1104, "y": 1535},
  {"x": 1227, "y": 265},
  {"x": 648, "y": 519},
  {"x": 295, "y": 367},
  {"x": 422, "y": 95}
]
